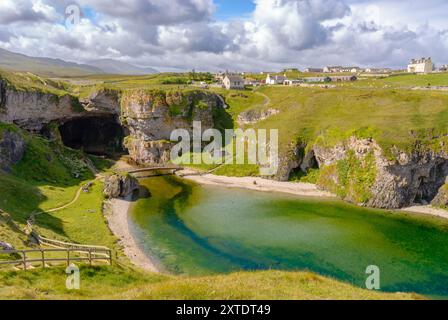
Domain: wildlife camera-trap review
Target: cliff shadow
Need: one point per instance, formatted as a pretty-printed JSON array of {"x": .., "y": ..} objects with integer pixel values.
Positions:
[{"x": 96, "y": 135}]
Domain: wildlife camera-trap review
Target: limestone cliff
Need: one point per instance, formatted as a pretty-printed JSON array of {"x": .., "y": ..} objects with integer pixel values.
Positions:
[
  {"x": 147, "y": 116},
  {"x": 12, "y": 148},
  {"x": 151, "y": 116},
  {"x": 31, "y": 110},
  {"x": 358, "y": 171}
]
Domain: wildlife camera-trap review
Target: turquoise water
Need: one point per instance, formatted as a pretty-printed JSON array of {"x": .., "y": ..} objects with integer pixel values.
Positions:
[{"x": 204, "y": 230}]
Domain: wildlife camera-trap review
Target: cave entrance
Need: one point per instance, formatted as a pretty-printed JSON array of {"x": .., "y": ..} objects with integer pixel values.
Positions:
[
  {"x": 308, "y": 164},
  {"x": 101, "y": 136}
]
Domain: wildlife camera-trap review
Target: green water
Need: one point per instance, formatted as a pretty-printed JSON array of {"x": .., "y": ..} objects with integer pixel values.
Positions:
[{"x": 202, "y": 230}]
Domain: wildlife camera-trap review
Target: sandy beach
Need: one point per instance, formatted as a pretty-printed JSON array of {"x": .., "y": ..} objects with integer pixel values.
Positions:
[
  {"x": 118, "y": 220},
  {"x": 260, "y": 184},
  {"x": 429, "y": 210}
]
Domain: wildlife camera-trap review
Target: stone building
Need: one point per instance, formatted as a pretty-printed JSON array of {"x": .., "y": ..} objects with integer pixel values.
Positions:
[
  {"x": 423, "y": 65},
  {"x": 233, "y": 82}
]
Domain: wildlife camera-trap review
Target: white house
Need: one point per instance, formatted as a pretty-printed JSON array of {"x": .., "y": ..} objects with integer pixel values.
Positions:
[
  {"x": 275, "y": 79},
  {"x": 233, "y": 82},
  {"x": 292, "y": 82},
  {"x": 422, "y": 65},
  {"x": 316, "y": 79},
  {"x": 336, "y": 69}
]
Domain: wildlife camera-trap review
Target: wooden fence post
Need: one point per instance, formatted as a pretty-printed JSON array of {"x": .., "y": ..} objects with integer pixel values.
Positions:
[
  {"x": 24, "y": 260},
  {"x": 90, "y": 257},
  {"x": 68, "y": 257},
  {"x": 42, "y": 252}
]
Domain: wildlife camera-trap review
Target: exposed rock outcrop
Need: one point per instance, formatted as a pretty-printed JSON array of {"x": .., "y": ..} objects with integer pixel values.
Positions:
[
  {"x": 441, "y": 199},
  {"x": 2, "y": 95},
  {"x": 147, "y": 117},
  {"x": 32, "y": 109},
  {"x": 358, "y": 171},
  {"x": 254, "y": 116},
  {"x": 120, "y": 185},
  {"x": 151, "y": 116},
  {"x": 6, "y": 246},
  {"x": 103, "y": 101},
  {"x": 12, "y": 148}
]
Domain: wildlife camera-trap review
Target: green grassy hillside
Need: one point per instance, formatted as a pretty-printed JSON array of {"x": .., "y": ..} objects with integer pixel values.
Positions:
[{"x": 123, "y": 283}]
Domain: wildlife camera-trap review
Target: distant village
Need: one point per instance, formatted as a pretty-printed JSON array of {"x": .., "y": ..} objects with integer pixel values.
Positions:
[{"x": 323, "y": 77}]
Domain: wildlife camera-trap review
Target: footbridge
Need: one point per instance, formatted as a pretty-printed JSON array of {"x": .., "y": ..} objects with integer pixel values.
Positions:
[{"x": 148, "y": 172}]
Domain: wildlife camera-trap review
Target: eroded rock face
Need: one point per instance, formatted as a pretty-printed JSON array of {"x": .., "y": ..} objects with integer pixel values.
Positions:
[
  {"x": 441, "y": 199},
  {"x": 254, "y": 116},
  {"x": 412, "y": 178},
  {"x": 32, "y": 110},
  {"x": 12, "y": 148},
  {"x": 2, "y": 94},
  {"x": 103, "y": 101},
  {"x": 119, "y": 186},
  {"x": 152, "y": 116}
]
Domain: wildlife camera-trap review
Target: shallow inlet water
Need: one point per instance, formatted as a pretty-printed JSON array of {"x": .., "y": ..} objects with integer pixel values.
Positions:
[{"x": 204, "y": 229}]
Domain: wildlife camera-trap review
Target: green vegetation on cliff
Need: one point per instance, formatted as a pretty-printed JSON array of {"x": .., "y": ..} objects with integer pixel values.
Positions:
[{"x": 350, "y": 178}]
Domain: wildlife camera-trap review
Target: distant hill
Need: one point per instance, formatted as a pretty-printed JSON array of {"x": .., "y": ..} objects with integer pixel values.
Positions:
[
  {"x": 59, "y": 68},
  {"x": 44, "y": 66},
  {"x": 122, "y": 68}
]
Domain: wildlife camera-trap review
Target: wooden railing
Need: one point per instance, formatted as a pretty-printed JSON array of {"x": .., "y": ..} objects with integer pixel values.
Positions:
[
  {"x": 65, "y": 255},
  {"x": 66, "y": 245}
]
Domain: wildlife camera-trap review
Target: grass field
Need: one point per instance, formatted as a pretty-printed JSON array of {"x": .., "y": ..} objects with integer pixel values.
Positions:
[
  {"x": 393, "y": 117},
  {"x": 120, "y": 282}
]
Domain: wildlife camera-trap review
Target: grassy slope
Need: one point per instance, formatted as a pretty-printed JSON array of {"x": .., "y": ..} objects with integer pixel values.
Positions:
[
  {"x": 390, "y": 114},
  {"x": 123, "y": 283},
  {"x": 26, "y": 81}
]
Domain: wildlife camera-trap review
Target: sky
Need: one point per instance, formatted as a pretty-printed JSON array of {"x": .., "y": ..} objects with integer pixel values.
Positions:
[{"x": 234, "y": 35}]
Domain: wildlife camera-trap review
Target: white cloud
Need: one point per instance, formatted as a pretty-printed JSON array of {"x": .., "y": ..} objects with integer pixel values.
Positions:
[{"x": 182, "y": 33}]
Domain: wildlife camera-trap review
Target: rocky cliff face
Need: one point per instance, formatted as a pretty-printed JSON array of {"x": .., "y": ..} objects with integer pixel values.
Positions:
[
  {"x": 32, "y": 110},
  {"x": 148, "y": 117},
  {"x": 358, "y": 171},
  {"x": 152, "y": 116},
  {"x": 254, "y": 116},
  {"x": 102, "y": 101},
  {"x": 2, "y": 95},
  {"x": 12, "y": 148}
]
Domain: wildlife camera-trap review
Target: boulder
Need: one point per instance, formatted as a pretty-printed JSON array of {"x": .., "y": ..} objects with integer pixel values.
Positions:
[
  {"x": 120, "y": 186},
  {"x": 441, "y": 199},
  {"x": 6, "y": 246}
]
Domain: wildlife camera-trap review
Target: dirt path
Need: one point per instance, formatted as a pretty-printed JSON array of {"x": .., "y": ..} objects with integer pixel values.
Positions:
[
  {"x": 75, "y": 199},
  {"x": 267, "y": 100}
]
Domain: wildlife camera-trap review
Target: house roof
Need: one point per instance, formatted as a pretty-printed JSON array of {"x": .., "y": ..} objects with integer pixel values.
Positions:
[{"x": 234, "y": 78}]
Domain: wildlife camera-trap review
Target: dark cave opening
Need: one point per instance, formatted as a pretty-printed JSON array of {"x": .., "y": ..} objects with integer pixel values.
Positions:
[
  {"x": 308, "y": 163},
  {"x": 101, "y": 136}
]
